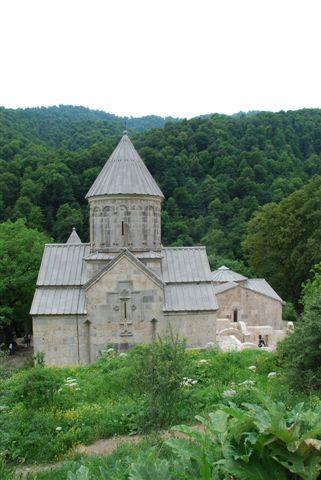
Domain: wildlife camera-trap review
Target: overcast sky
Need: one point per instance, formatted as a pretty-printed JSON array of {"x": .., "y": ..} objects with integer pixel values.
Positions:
[{"x": 166, "y": 57}]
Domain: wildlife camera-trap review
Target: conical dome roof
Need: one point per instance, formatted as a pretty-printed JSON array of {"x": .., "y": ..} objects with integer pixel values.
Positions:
[
  {"x": 225, "y": 274},
  {"x": 124, "y": 173}
]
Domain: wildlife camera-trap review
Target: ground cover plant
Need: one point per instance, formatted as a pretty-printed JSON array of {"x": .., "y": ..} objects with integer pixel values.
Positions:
[{"x": 45, "y": 412}]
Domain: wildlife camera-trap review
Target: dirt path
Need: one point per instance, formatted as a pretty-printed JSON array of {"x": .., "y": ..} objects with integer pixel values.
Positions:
[{"x": 99, "y": 448}]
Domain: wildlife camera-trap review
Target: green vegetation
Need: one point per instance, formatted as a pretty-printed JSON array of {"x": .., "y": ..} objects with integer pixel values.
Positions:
[
  {"x": 21, "y": 250},
  {"x": 283, "y": 240},
  {"x": 300, "y": 352},
  {"x": 215, "y": 172},
  {"x": 158, "y": 373},
  {"x": 71, "y": 406}
]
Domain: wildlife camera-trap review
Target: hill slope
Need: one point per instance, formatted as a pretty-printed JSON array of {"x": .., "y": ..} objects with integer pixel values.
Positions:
[{"x": 214, "y": 171}]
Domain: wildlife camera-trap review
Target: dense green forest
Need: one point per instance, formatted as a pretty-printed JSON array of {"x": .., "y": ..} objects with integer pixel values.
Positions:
[{"x": 215, "y": 171}]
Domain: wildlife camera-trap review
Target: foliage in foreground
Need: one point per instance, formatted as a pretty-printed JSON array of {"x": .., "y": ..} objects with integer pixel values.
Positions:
[
  {"x": 254, "y": 442},
  {"x": 68, "y": 406},
  {"x": 300, "y": 352},
  {"x": 158, "y": 373},
  {"x": 21, "y": 249}
]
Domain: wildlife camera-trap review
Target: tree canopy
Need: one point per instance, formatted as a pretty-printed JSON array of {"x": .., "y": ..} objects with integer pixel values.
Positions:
[
  {"x": 215, "y": 172},
  {"x": 21, "y": 250},
  {"x": 283, "y": 240}
]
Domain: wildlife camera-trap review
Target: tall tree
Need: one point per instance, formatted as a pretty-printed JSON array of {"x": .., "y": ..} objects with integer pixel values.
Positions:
[
  {"x": 283, "y": 240},
  {"x": 21, "y": 250}
]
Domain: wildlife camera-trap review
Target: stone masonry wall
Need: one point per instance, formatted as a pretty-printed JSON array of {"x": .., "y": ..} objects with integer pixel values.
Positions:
[
  {"x": 253, "y": 308},
  {"x": 124, "y": 308},
  {"x": 197, "y": 328},
  {"x": 132, "y": 222},
  {"x": 62, "y": 338}
]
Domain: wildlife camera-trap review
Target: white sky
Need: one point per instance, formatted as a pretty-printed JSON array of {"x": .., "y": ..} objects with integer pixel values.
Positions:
[{"x": 166, "y": 57}]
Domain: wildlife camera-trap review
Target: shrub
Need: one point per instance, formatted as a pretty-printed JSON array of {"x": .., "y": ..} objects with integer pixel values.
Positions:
[
  {"x": 300, "y": 352},
  {"x": 38, "y": 386},
  {"x": 158, "y": 371}
]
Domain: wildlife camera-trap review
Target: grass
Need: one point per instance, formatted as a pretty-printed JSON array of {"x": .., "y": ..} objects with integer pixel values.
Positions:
[{"x": 45, "y": 412}]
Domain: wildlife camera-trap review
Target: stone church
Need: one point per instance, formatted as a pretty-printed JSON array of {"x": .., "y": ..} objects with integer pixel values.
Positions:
[{"x": 124, "y": 287}]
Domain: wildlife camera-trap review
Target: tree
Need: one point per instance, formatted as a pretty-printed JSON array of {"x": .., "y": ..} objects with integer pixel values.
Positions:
[
  {"x": 300, "y": 352},
  {"x": 283, "y": 240},
  {"x": 21, "y": 250},
  {"x": 67, "y": 218}
]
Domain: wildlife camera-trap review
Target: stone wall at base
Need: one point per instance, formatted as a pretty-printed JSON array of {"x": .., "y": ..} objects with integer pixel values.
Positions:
[
  {"x": 62, "y": 338},
  {"x": 197, "y": 328}
]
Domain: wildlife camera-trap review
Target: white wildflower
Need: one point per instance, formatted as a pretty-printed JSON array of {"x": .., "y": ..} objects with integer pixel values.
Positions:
[
  {"x": 252, "y": 368},
  {"x": 123, "y": 354},
  {"x": 247, "y": 383},
  {"x": 272, "y": 375},
  {"x": 58, "y": 429},
  {"x": 188, "y": 382},
  {"x": 229, "y": 393},
  {"x": 203, "y": 361}
]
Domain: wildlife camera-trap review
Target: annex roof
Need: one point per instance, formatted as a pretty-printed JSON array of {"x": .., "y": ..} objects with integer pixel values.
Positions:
[
  {"x": 225, "y": 274},
  {"x": 185, "y": 264},
  {"x": 62, "y": 264},
  {"x": 257, "y": 285},
  {"x": 58, "y": 301},
  {"x": 189, "y": 297},
  {"x": 260, "y": 285},
  {"x": 124, "y": 173},
  {"x": 73, "y": 237}
]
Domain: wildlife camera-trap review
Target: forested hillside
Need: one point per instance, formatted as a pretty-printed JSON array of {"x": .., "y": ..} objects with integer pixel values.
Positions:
[{"x": 215, "y": 171}]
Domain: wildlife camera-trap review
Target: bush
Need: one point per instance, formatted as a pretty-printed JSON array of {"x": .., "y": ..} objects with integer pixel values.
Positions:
[
  {"x": 38, "y": 386},
  {"x": 300, "y": 352},
  {"x": 158, "y": 372}
]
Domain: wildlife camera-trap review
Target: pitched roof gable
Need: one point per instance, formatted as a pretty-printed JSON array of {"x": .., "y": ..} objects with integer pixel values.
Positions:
[{"x": 125, "y": 254}]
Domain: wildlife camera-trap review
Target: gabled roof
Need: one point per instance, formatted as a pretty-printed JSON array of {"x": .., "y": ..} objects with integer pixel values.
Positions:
[
  {"x": 257, "y": 285},
  {"x": 187, "y": 277},
  {"x": 225, "y": 274},
  {"x": 124, "y": 173},
  {"x": 184, "y": 297},
  {"x": 74, "y": 237},
  {"x": 124, "y": 253},
  {"x": 185, "y": 264},
  {"x": 58, "y": 301},
  {"x": 223, "y": 287},
  {"x": 62, "y": 264}
]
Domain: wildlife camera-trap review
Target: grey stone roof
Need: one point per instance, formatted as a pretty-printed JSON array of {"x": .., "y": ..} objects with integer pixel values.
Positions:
[
  {"x": 257, "y": 285},
  {"x": 58, "y": 301},
  {"x": 224, "y": 274},
  {"x": 124, "y": 173},
  {"x": 186, "y": 278},
  {"x": 62, "y": 264},
  {"x": 185, "y": 264},
  {"x": 223, "y": 287},
  {"x": 73, "y": 237},
  {"x": 189, "y": 297}
]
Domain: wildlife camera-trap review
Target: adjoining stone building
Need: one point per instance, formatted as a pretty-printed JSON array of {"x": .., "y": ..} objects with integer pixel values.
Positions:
[
  {"x": 250, "y": 306},
  {"x": 124, "y": 287}
]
